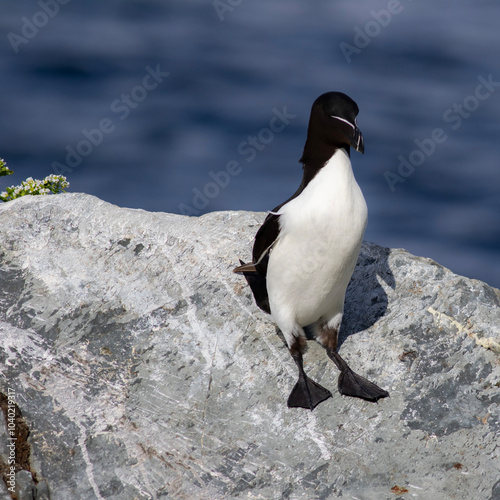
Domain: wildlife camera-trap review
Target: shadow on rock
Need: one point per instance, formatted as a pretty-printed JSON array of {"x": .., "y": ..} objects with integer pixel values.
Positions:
[{"x": 366, "y": 300}]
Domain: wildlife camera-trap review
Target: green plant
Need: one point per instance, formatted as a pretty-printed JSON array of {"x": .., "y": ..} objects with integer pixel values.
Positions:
[
  {"x": 51, "y": 184},
  {"x": 4, "y": 169}
]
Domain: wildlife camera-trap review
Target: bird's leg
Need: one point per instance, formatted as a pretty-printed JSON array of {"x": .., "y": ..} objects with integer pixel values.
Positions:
[
  {"x": 306, "y": 393},
  {"x": 350, "y": 383}
]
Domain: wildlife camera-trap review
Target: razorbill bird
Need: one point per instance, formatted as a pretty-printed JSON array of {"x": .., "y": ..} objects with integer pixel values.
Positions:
[{"x": 305, "y": 251}]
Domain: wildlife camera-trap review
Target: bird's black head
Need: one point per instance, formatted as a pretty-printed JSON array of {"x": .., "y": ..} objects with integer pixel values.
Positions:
[{"x": 333, "y": 122}]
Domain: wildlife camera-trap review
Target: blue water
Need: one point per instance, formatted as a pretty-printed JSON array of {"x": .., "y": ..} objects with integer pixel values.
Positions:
[{"x": 181, "y": 90}]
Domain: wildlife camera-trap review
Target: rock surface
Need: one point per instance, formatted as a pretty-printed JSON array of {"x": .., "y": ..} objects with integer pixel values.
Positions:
[{"x": 144, "y": 370}]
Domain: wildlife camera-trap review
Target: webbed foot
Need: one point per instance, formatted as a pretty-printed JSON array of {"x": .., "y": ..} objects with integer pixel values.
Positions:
[
  {"x": 307, "y": 394},
  {"x": 352, "y": 384}
]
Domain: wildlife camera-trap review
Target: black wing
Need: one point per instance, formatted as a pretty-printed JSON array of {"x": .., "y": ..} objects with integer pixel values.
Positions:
[
  {"x": 264, "y": 239},
  {"x": 255, "y": 272}
]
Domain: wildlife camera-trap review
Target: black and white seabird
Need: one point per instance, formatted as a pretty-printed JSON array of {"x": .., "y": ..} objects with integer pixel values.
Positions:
[{"x": 305, "y": 251}]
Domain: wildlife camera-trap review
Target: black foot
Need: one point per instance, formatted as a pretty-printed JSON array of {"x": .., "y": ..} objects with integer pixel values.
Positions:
[
  {"x": 352, "y": 384},
  {"x": 307, "y": 394}
]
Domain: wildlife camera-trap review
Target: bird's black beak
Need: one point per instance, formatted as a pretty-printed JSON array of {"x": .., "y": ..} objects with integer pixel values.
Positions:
[
  {"x": 351, "y": 133},
  {"x": 358, "y": 143}
]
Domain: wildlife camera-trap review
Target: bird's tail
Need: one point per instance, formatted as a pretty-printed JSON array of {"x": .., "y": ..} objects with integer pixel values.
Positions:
[
  {"x": 245, "y": 268},
  {"x": 257, "y": 283}
]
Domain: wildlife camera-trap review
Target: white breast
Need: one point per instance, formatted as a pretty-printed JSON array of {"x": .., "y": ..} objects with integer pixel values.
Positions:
[{"x": 321, "y": 233}]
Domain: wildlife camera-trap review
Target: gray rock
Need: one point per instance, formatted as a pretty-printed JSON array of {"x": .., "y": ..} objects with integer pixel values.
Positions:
[
  {"x": 145, "y": 371},
  {"x": 24, "y": 485},
  {"x": 4, "y": 492}
]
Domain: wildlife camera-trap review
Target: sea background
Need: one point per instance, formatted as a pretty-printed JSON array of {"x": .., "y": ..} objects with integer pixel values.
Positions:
[{"x": 234, "y": 64}]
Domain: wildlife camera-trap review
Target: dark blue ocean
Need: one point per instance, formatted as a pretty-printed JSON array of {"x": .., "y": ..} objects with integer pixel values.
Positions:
[{"x": 202, "y": 105}]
